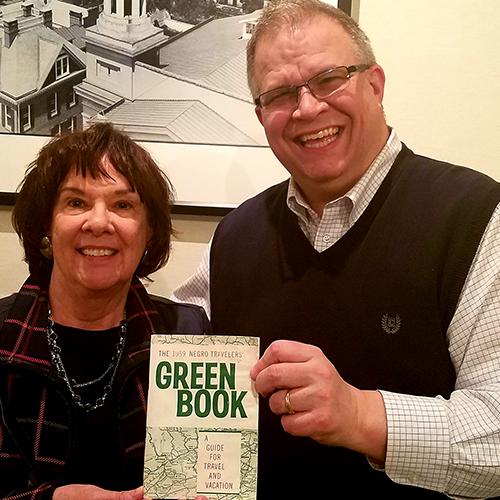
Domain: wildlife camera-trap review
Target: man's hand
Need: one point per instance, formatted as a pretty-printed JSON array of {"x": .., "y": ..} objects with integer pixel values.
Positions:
[
  {"x": 89, "y": 492},
  {"x": 327, "y": 409}
]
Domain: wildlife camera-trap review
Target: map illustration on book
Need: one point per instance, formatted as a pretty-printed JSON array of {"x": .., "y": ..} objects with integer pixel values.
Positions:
[{"x": 202, "y": 419}]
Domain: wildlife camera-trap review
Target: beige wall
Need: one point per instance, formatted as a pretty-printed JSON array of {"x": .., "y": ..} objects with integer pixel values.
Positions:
[
  {"x": 442, "y": 62},
  {"x": 193, "y": 235},
  {"x": 192, "y": 238},
  {"x": 12, "y": 270}
]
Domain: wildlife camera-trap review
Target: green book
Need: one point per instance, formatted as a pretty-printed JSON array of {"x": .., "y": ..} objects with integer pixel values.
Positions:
[{"x": 202, "y": 421}]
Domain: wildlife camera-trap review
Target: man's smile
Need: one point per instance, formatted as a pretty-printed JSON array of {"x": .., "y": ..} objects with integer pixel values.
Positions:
[{"x": 319, "y": 139}]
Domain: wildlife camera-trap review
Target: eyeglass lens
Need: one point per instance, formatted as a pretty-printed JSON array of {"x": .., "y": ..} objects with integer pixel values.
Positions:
[{"x": 321, "y": 86}]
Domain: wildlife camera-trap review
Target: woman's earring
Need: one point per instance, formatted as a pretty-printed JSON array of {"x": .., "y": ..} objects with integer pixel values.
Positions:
[
  {"x": 46, "y": 248},
  {"x": 144, "y": 257}
]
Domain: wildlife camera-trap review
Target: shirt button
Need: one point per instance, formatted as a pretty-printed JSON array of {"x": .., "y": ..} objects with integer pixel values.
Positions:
[
  {"x": 413, "y": 477},
  {"x": 327, "y": 238}
]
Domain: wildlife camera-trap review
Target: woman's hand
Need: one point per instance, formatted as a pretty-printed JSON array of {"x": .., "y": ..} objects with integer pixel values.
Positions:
[
  {"x": 89, "y": 492},
  {"x": 198, "y": 497}
]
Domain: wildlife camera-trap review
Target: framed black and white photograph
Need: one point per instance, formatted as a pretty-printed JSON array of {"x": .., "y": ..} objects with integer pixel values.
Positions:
[{"x": 170, "y": 73}]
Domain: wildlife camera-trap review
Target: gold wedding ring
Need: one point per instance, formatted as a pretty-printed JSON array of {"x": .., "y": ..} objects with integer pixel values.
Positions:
[{"x": 287, "y": 404}]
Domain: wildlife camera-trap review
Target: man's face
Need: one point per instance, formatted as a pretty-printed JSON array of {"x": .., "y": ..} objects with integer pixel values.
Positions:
[{"x": 326, "y": 145}]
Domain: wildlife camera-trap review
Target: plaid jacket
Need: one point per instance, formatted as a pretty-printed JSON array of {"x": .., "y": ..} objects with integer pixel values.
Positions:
[{"x": 36, "y": 410}]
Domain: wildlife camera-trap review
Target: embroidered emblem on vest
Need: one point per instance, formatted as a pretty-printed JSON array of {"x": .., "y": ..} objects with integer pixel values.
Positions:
[{"x": 391, "y": 324}]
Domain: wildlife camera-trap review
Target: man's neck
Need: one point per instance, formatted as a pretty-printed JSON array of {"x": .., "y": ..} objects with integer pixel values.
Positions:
[{"x": 319, "y": 194}]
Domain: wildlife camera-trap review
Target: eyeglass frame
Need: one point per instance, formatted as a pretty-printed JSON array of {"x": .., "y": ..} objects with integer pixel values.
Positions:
[{"x": 350, "y": 69}]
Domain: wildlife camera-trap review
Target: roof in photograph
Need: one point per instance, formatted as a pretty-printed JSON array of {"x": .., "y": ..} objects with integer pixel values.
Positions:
[
  {"x": 74, "y": 34},
  {"x": 26, "y": 64},
  {"x": 188, "y": 121},
  {"x": 212, "y": 53}
]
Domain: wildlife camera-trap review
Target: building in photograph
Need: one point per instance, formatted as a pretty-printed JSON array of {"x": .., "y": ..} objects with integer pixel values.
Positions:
[
  {"x": 157, "y": 78},
  {"x": 189, "y": 88},
  {"x": 38, "y": 72},
  {"x": 71, "y": 21},
  {"x": 123, "y": 37},
  {"x": 66, "y": 14}
]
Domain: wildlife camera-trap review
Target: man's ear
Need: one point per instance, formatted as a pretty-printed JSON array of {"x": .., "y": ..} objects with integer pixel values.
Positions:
[
  {"x": 258, "y": 112},
  {"x": 376, "y": 77}
]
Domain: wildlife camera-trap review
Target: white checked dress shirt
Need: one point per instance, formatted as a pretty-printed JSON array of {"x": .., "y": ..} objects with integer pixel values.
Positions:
[{"x": 452, "y": 446}]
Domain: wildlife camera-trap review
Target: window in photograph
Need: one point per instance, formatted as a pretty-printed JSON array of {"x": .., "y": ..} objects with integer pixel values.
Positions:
[
  {"x": 62, "y": 66},
  {"x": 55, "y": 130},
  {"x": 105, "y": 69},
  {"x": 72, "y": 99},
  {"x": 68, "y": 125},
  {"x": 26, "y": 118},
  {"x": 127, "y": 7},
  {"x": 53, "y": 105},
  {"x": 8, "y": 118}
]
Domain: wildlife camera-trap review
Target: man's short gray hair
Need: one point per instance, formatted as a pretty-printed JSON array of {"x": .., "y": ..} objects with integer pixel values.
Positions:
[{"x": 288, "y": 14}]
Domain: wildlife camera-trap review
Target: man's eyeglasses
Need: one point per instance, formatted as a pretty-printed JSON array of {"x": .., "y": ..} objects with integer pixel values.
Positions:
[{"x": 321, "y": 86}]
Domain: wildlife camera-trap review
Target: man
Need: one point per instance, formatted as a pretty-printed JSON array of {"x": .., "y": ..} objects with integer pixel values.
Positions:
[{"x": 379, "y": 267}]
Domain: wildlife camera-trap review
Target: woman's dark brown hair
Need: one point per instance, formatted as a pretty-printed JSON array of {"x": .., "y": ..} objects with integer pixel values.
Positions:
[{"x": 83, "y": 151}]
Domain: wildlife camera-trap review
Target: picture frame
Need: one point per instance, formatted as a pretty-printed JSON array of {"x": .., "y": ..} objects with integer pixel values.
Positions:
[{"x": 208, "y": 178}]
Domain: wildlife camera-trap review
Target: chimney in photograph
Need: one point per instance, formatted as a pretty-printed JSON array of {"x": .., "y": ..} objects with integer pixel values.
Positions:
[
  {"x": 75, "y": 18},
  {"x": 10, "y": 31},
  {"x": 47, "y": 18},
  {"x": 27, "y": 9}
]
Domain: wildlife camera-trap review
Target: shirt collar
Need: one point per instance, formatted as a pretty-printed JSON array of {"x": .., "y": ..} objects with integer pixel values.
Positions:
[{"x": 359, "y": 195}]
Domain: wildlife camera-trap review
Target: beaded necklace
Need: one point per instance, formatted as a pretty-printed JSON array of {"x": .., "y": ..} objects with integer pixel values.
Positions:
[{"x": 55, "y": 353}]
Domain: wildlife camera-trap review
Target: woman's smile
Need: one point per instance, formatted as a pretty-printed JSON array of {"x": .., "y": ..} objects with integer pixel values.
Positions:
[
  {"x": 97, "y": 252},
  {"x": 99, "y": 232}
]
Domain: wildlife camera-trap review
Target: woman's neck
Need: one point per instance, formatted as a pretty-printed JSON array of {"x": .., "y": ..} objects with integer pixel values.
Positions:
[{"x": 89, "y": 310}]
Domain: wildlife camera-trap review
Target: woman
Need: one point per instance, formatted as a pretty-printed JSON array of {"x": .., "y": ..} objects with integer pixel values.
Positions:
[{"x": 93, "y": 214}]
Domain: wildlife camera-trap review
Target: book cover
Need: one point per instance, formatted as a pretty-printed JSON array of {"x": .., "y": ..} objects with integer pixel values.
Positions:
[{"x": 202, "y": 419}]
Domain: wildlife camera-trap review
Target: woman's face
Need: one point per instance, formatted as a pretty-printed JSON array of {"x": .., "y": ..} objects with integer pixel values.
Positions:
[{"x": 99, "y": 233}]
